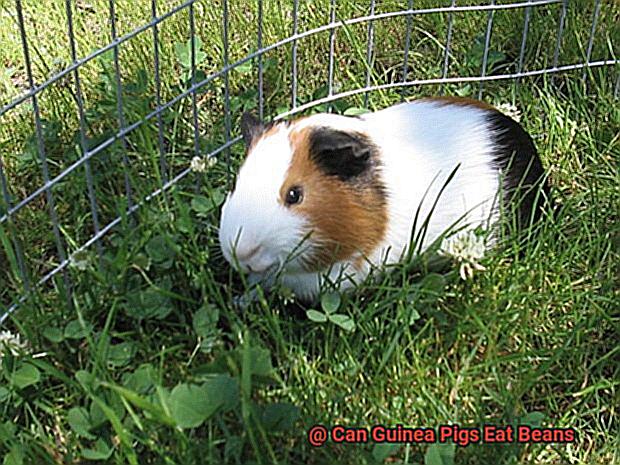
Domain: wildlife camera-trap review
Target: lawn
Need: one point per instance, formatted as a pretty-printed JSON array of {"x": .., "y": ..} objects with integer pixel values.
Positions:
[{"x": 134, "y": 352}]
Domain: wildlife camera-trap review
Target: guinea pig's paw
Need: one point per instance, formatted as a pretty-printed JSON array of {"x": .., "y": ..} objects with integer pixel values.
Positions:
[
  {"x": 253, "y": 279},
  {"x": 250, "y": 296},
  {"x": 266, "y": 280},
  {"x": 243, "y": 301}
]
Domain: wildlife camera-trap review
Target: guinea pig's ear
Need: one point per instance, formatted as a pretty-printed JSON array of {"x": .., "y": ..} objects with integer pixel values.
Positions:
[
  {"x": 251, "y": 128},
  {"x": 340, "y": 153}
]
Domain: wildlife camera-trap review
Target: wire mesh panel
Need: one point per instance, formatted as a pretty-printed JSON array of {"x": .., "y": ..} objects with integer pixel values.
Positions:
[{"x": 89, "y": 136}]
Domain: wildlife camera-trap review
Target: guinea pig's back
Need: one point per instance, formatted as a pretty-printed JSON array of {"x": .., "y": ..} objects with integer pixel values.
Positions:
[{"x": 422, "y": 143}]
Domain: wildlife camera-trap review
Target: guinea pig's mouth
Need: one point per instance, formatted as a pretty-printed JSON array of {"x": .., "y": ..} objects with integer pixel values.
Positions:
[
  {"x": 257, "y": 259},
  {"x": 257, "y": 262},
  {"x": 263, "y": 269}
]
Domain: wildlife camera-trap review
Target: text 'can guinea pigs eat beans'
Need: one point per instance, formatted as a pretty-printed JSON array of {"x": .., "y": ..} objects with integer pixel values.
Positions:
[{"x": 330, "y": 197}]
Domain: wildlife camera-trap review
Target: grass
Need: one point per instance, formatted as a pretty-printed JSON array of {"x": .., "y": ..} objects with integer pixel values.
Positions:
[{"x": 148, "y": 361}]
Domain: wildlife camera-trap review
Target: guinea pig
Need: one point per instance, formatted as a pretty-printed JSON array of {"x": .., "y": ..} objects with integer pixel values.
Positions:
[{"x": 327, "y": 198}]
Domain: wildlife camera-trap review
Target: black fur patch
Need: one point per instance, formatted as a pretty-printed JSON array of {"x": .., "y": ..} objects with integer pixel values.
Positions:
[
  {"x": 522, "y": 171},
  {"x": 346, "y": 155},
  {"x": 251, "y": 128},
  {"x": 349, "y": 156}
]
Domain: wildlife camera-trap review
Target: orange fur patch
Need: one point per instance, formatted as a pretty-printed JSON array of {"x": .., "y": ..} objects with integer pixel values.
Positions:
[
  {"x": 460, "y": 101},
  {"x": 348, "y": 219}
]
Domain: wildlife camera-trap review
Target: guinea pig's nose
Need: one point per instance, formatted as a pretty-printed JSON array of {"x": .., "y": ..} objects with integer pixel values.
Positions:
[{"x": 245, "y": 252}]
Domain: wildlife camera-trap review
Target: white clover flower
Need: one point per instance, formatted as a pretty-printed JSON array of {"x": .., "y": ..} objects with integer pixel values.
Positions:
[
  {"x": 200, "y": 165},
  {"x": 79, "y": 260},
  {"x": 510, "y": 110},
  {"x": 12, "y": 343},
  {"x": 466, "y": 249}
]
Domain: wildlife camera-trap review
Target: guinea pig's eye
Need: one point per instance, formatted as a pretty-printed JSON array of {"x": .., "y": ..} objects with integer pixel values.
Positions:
[{"x": 294, "y": 195}]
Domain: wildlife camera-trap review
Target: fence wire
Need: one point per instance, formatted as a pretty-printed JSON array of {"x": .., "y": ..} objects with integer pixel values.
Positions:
[{"x": 198, "y": 82}]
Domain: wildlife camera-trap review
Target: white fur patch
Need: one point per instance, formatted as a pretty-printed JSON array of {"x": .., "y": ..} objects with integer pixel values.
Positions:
[
  {"x": 337, "y": 122},
  {"x": 422, "y": 142},
  {"x": 252, "y": 217}
]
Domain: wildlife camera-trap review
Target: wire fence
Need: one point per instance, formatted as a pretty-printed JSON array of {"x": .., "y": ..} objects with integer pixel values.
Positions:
[{"x": 24, "y": 275}]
